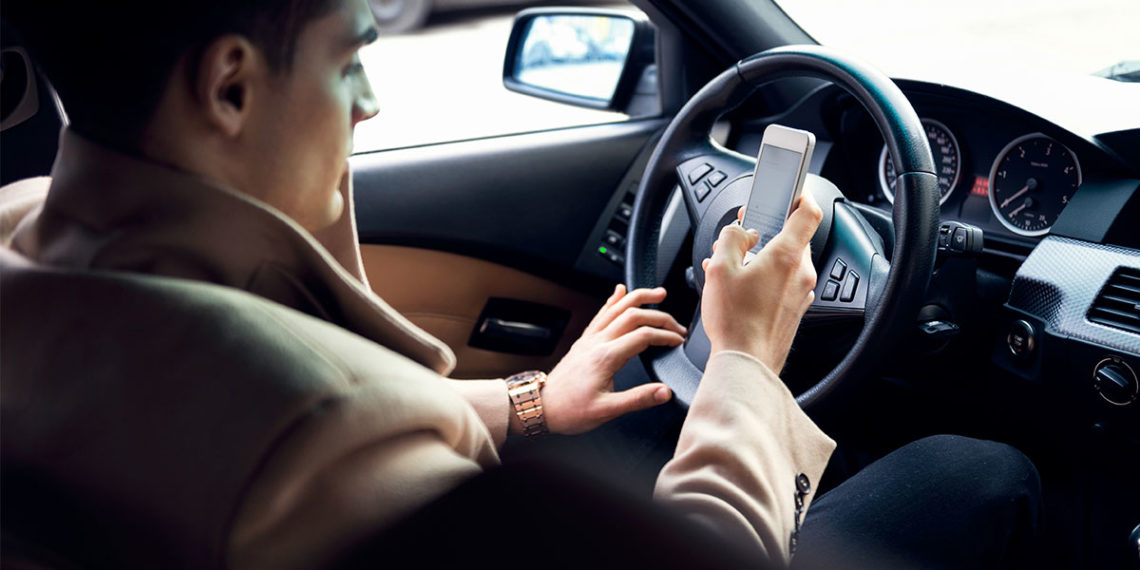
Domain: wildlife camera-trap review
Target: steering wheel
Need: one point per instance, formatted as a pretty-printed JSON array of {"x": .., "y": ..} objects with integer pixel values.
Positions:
[{"x": 859, "y": 277}]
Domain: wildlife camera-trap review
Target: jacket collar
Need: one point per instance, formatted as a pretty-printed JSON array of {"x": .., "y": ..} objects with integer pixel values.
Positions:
[{"x": 110, "y": 211}]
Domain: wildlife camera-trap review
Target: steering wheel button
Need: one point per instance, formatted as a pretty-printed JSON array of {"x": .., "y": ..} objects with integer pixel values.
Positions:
[
  {"x": 702, "y": 191},
  {"x": 699, "y": 172},
  {"x": 716, "y": 178},
  {"x": 838, "y": 269},
  {"x": 830, "y": 291},
  {"x": 849, "y": 287}
]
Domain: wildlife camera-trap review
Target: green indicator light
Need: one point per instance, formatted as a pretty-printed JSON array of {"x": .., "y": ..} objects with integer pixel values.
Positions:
[{"x": 602, "y": 249}]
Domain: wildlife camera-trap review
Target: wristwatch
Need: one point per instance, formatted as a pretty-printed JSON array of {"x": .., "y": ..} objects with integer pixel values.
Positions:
[{"x": 525, "y": 391}]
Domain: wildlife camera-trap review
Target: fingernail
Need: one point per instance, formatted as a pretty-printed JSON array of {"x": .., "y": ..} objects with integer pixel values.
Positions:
[
  {"x": 754, "y": 232},
  {"x": 661, "y": 395}
]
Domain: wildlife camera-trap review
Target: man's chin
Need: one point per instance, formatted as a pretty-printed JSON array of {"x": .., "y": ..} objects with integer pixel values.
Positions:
[{"x": 332, "y": 214}]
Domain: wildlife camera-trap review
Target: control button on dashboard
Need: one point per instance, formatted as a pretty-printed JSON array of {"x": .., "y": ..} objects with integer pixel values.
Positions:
[
  {"x": 624, "y": 212},
  {"x": 1020, "y": 339},
  {"x": 699, "y": 172},
  {"x": 614, "y": 239},
  {"x": 849, "y": 286},
  {"x": 1115, "y": 381},
  {"x": 830, "y": 291}
]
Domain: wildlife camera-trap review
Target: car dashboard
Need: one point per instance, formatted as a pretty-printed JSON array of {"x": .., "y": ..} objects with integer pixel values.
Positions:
[{"x": 1048, "y": 313}]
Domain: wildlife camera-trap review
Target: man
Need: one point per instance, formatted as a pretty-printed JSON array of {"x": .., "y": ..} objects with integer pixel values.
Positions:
[{"x": 208, "y": 142}]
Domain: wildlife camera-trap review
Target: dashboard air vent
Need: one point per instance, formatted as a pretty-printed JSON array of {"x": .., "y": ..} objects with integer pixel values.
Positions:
[{"x": 1118, "y": 303}]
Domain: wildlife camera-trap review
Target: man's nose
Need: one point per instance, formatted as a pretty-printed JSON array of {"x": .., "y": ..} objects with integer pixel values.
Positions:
[{"x": 366, "y": 106}]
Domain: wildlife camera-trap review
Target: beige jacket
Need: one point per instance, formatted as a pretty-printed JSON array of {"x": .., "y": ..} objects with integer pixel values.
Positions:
[{"x": 395, "y": 437}]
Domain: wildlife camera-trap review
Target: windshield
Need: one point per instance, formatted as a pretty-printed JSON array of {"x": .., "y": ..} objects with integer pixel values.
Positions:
[{"x": 926, "y": 36}]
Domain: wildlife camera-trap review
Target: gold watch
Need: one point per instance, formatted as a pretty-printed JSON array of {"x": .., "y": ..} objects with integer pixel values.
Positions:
[{"x": 525, "y": 391}]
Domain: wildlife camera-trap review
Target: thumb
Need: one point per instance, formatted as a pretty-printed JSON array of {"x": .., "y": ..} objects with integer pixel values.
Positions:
[{"x": 634, "y": 399}]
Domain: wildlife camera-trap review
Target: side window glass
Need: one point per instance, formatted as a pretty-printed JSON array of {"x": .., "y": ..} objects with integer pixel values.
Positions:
[{"x": 444, "y": 82}]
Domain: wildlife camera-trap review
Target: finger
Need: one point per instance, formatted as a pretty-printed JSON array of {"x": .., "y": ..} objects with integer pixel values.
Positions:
[
  {"x": 705, "y": 264},
  {"x": 740, "y": 214},
  {"x": 619, "y": 292},
  {"x": 629, "y": 345},
  {"x": 633, "y": 399},
  {"x": 635, "y": 318},
  {"x": 801, "y": 225},
  {"x": 808, "y": 300},
  {"x": 731, "y": 245},
  {"x": 809, "y": 280},
  {"x": 595, "y": 323},
  {"x": 635, "y": 298}
]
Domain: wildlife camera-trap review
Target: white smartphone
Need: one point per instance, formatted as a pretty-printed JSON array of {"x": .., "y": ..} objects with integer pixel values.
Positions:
[{"x": 781, "y": 168}]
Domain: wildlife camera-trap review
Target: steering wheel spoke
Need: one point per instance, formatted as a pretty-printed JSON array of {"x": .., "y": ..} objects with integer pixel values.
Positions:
[
  {"x": 852, "y": 265},
  {"x": 704, "y": 177}
]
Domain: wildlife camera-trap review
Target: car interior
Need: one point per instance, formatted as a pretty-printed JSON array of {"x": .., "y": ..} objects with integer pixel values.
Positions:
[{"x": 953, "y": 295}]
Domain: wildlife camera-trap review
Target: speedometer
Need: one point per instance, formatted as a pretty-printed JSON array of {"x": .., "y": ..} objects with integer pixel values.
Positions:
[
  {"x": 947, "y": 161},
  {"x": 1032, "y": 180}
]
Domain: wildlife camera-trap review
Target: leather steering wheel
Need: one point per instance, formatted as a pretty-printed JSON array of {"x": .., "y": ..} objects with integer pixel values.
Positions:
[{"x": 883, "y": 289}]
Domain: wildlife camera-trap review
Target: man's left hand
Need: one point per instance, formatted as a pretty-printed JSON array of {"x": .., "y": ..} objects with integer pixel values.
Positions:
[{"x": 579, "y": 394}]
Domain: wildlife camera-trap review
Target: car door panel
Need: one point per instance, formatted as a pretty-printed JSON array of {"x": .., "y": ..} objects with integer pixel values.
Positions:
[
  {"x": 445, "y": 294},
  {"x": 503, "y": 218}
]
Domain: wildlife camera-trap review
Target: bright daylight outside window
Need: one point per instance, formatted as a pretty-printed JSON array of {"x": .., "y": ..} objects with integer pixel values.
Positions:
[
  {"x": 934, "y": 38},
  {"x": 444, "y": 82}
]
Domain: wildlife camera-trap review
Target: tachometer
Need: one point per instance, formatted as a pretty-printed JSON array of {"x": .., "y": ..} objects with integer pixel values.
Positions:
[
  {"x": 1032, "y": 180},
  {"x": 947, "y": 161}
]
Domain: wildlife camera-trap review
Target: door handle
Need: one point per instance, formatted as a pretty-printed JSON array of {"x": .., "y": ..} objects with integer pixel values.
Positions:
[{"x": 497, "y": 327}]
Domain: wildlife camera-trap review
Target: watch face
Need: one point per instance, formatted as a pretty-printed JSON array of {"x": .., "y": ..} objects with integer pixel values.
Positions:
[{"x": 526, "y": 378}]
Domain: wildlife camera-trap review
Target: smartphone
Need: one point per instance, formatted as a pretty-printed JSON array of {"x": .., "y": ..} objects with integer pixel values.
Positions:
[{"x": 781, "y": 168}]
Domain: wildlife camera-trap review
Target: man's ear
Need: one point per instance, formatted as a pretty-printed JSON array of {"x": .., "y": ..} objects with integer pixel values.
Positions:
[{"x": 225, "y": 81}]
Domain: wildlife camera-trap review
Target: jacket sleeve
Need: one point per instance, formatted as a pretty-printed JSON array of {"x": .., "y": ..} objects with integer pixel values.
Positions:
[
  {"x": 742, "y": 446},
  {"x": 490, "y": 400},
  {"x": 346, "y": 471}
]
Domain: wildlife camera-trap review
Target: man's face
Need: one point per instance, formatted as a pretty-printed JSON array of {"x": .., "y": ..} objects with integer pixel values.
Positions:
[{"x": 302, "y": 127}]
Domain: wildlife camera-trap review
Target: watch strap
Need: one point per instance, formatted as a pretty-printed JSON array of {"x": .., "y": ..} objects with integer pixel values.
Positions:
[{"x": 525, "y": 392}]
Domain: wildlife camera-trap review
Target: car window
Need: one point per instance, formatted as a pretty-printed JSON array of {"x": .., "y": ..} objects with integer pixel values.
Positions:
[{"x": 443, "y": 82}]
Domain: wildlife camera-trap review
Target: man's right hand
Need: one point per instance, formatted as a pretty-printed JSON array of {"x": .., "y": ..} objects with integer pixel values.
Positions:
[{"x": 756, "y": 308}]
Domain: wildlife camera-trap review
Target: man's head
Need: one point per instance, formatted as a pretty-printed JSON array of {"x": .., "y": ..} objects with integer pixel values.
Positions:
[{"x": 258, "y": 95}]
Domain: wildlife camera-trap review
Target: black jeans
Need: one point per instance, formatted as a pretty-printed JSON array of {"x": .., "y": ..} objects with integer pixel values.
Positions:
[{"x": 939, "y": 502}]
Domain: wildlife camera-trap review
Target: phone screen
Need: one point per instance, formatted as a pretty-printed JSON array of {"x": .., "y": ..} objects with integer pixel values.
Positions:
[{"x": 773, "y": 189}]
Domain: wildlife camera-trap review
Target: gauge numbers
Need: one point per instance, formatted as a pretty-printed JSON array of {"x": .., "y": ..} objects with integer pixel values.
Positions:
[
  {"x": 947, "y": 162},
  {"x": 1032, "y": 180}
]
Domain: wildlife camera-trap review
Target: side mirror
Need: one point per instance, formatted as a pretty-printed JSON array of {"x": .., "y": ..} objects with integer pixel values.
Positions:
[{"x": 595, "y": 58}]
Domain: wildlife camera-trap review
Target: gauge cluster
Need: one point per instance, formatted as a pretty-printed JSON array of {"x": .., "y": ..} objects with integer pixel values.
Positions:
[
  {"x": 1000, "y": 168},
  {"x": 944, "y": 147},
  {"x": 1032, "y": 180}
]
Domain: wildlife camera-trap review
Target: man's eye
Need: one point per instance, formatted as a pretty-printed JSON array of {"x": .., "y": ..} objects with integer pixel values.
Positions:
[{"x": 354, "y": 68}]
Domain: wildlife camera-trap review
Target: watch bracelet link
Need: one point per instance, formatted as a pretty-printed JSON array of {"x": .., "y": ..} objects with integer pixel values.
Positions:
[{"x": 524, "y": 390}]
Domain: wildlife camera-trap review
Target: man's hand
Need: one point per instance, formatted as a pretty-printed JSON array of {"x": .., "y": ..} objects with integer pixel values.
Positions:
[
  {"x": 756, "y": 308},
  {"x": 579, "y": 394}
]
